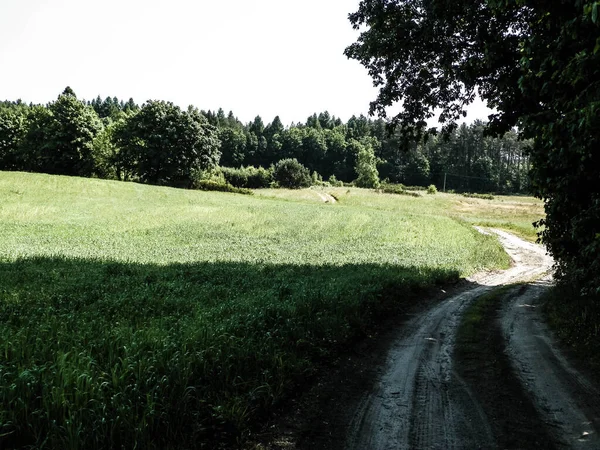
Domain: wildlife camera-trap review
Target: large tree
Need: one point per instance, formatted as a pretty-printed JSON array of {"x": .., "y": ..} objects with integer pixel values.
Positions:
[
  {"x": 62, "y": 136},
  {"x": 162, "y": 144},
  {"x": 536, "y": 62}
]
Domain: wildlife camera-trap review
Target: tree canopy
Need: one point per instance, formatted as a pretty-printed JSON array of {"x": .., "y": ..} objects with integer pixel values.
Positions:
[
  {"x": 162, "y": 144},
  {"x": 536, "y": 63}
]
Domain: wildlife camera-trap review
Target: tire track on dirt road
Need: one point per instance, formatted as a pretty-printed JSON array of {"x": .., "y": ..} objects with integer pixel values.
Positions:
[
  {"x": 565, "y": 399},
  {"x": 419, "y": 401}
]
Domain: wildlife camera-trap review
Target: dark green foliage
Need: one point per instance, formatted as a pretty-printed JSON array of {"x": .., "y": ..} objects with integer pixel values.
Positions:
[
  {"x": 67, "y": 134},
  {"x": 475, "y": 195},
  {"x": 289, "y": 173},
  {"x": 537, "y": 64},
  {"x": 233, "y": 146},
  {"x": 164, "y": 145},
  {"x": 12, "y": 132},
  {"x": 398, "y": 189},
  {"x": 56, "y": 139},
  {"x": 112, "y": 107},
  {"x": 35, "y": 141},
  {"x": 576, "y": 319},
  {"x": 213, "y": 185},
  {"x": 106, "y": 153},
  {"x": 248, "y": 177},
  {"x": 561, "y": 62},
  {"x": 324, "y": 144}
]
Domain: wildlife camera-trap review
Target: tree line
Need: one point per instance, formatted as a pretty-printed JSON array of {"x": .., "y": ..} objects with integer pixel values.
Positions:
[{"x": 159, "y": 143}]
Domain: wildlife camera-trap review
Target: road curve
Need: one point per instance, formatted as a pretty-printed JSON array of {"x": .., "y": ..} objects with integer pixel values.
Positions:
[{"x": 419, "y": 402}]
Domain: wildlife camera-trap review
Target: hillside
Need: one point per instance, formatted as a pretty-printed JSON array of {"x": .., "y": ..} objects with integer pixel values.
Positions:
[{"x": 163, "y": 318}]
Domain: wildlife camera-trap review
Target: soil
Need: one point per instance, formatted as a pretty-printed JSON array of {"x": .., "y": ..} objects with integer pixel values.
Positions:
[{"x": 414, "y": 386}]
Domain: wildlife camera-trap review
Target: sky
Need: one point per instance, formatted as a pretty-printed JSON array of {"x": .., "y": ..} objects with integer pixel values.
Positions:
[{"x": 253, "y": 57}]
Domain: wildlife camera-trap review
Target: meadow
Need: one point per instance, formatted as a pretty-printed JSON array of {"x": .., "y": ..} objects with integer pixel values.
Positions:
[{"x": 152, "y": 317}]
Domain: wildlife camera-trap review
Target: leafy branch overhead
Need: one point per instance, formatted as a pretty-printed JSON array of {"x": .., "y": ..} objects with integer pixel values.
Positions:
[{"x": 536, "y": 63}]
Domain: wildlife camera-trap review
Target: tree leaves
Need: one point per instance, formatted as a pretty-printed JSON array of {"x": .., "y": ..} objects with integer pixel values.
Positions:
[{"x": 537, "y": 64}]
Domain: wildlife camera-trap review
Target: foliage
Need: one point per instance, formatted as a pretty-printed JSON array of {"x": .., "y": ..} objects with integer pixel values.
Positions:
[
  {"x": 149, "y": 317},
  {"x": 575, "y": 320},
  {"x": 398, "y": 189},
  {"x": 324, "y": 144},
  {"x": 12, "y": 132},
  {"x": 431, "y": 189},
  {"x": 333, "y": 181},
  {"x": 248, "y": 177},
  {"x": 475, "y": 195},
  {"x": 161, "y": 144},
  {"x": 390, "y": 188},
  {"x": 106, "y": 153},
  {"x": 233, "y": 144},
  {"x": 69, "y": 137},
  {"x": 211, "y": 185},
  {"x": 289, "y": 173},
  {"x": 366, "y": 168},
  {"x": 538, "y": 68}
]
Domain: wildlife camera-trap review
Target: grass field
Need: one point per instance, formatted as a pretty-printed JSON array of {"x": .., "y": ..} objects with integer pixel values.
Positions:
[{"x": 134, "y": 315}]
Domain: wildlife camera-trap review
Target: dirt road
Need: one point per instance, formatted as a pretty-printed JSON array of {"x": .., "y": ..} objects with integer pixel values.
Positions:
[
  {"x": 566, "y": 400},
  {"x": 420, "y": 401}
]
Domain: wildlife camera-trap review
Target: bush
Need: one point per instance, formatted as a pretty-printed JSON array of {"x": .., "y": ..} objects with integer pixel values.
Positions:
[
  {"x": 482, "y": 196},
  {"x": 432, "y": 189},
  {"x": 211, "y": 185},
  {"x": 248, "y": 177},
  {"x": 398, "y": 189},
  {"x": 333, "y": 181},
  {"x": 289, "y": 173}
]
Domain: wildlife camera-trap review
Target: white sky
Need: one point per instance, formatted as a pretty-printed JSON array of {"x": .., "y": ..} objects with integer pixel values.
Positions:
[{"x": 266, "y": 57}]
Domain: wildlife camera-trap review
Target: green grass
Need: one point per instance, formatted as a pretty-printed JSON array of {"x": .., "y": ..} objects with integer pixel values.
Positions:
[
  {"x": 146, "y": 316},
  {"x": 515, "y": 214}
]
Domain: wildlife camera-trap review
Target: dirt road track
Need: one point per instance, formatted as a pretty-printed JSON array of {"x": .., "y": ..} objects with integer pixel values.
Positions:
[
  {"x": 565, "y": 399},
  {"x": 419, "y": 401}
]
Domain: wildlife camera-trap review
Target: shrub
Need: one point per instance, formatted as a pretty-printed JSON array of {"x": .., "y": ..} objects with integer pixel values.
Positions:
[
  {"x": 289, "y": 173},
  {"x": 432, "y": 189},
  {"x": 398, "y": 189},
  {"x": 482, "y": 196},
  {"x": 211, "y": 185},
  {"x": 248, "y": 177},
  {"x": 333, "y": 181}
]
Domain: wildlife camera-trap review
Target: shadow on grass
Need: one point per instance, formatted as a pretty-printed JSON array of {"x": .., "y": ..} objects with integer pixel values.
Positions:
[{"x": 100, "y": 354}]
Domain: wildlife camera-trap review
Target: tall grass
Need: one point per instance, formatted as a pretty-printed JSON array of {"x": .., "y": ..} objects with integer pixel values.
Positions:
[{"x": 140, "y": 316}]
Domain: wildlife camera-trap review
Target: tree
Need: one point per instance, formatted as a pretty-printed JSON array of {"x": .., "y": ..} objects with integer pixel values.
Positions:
[
  {"x": 12, "y": 133},
  {"x": 366, "y": 167},
  {"x": 536, "y": 63},
  {"x": 233, "y": 146},
  {"x": 60, "y": 137},
  {"x": 164, "y": 145},
  {"x": 289, "y": 173}
]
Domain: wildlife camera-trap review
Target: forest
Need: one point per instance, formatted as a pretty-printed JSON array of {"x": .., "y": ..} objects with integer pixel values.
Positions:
[{"x": 159, "y": 143}]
